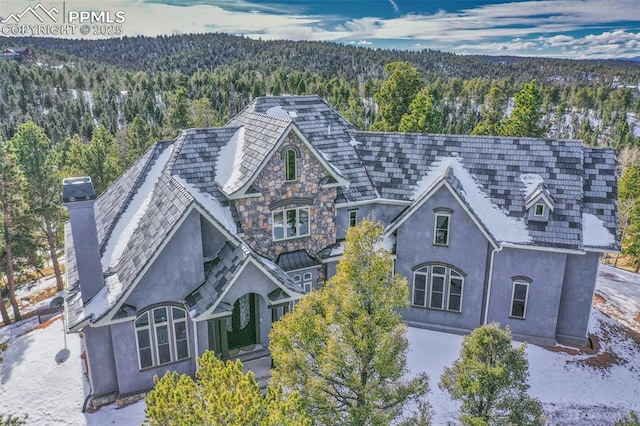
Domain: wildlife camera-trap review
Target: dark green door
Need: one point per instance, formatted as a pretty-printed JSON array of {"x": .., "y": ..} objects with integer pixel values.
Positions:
[{"x": 242, "y": 330}]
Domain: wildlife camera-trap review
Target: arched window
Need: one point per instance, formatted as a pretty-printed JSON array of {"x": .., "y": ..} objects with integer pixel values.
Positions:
[
  {"x": 162, "y": 336},
  {"x": 290, "y": 165},
  {"x": 438, "y": 287}
]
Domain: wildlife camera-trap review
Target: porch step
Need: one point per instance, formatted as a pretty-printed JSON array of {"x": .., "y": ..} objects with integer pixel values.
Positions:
[{"x": 261, "y": 367}]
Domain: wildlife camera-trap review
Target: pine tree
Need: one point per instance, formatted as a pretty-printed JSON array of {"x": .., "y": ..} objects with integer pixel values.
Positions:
[
  {"x": 422, "y": 116},
  {"x": 492, "y": 111},
  {"x": 36, "y": 159},
  {"x": 222, "y": 394},
  {"x": 12, "y": 188},
  {"x": 629, "y": 213},
  {"x": 525, "y": 118},
  {"x": 490, "y": 379},
  {"x": 398, "y": 90},
  {"x": 344, "y": 346},
  {"x": 177, "y": 115}
]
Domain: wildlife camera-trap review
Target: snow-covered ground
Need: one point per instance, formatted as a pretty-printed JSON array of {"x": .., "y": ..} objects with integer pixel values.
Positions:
[{"x": 585, "y": 389}]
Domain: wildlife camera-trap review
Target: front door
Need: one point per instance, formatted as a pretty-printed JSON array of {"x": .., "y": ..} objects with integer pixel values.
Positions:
[{"x": 241, "y": 327}]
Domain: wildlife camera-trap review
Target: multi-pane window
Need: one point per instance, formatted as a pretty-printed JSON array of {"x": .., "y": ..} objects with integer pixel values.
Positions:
[
  {"x": 305, "y": 280},
  {"x": 290, "y": 223},
  {"x": 353, "y": 217},
  {"x": 438, "y": 287},
  {"x": 519, "y": 299},
  {"x": 441, "y": 229},
  {"x": 290, "y": 165},
  {"x": 162, "y": 336}
]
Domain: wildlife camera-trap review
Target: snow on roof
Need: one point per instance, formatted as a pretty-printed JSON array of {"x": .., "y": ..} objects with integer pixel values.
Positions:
[
  {"x": 229, "y": 161},
  {"x": 595, "y": 233},
  {"x": 104, "y": 300},
  {"x": 531, "y": 182},
  {"x": 496, "y": 220},
  {"x": 338, "y": 250},
  {"x": 211, "y": 204},
  {"x": 278, "y": 111},
  {"x": 128, "y": 221}
]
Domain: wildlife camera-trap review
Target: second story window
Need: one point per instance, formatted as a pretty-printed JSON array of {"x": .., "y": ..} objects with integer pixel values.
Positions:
[
  {"x": 353, "y": 217},
  {"x": 290, "y": 165},
  {"x": 441, "y": 229},
  {"x": 290, "y": 223}
]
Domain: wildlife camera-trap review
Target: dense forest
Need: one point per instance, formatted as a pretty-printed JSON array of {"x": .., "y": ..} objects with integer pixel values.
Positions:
[{"x": 92, "y": 107}]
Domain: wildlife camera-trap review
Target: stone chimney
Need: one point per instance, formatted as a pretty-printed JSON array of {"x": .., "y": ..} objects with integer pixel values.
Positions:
[{"x": 79, "y": 197}]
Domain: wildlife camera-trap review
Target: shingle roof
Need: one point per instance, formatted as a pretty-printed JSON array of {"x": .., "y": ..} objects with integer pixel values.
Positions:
[
  {"x": 397, "y": 162},
  {"x": 600, "y": 188},
  {"x": 328, "y": 132}
]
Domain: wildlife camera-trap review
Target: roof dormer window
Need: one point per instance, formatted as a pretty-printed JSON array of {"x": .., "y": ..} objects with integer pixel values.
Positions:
[
  {"x": 290, "y": 171},
  {"x": 537, "y": 198}
]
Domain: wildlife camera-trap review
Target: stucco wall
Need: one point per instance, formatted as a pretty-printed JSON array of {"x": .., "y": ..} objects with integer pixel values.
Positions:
[
  {"x": 577, "y": 295},
  {"x": 546, "y": 272},
  {"x": 255, "y": 212},
  {"x": 101, "y": 360},
  {"x": 382, "y": 212},
  {"x": 177, "y": 270},
  {"x": 467, "y": 251},
  {"x": 174, "y": 274}
]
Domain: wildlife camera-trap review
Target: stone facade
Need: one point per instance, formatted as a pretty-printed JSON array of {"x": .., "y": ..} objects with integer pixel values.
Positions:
[{"x": 278, "y": 194}]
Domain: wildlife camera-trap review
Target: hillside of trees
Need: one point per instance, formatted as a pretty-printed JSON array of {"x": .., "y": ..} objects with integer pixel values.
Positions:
[{"x": 93, "y": 107}]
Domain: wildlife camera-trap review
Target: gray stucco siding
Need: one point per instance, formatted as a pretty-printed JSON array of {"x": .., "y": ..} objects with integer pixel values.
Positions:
[
  {"x": 130, "y": 377},
  {"x": 379, "y": 211},
  {"x": 546, "y": 271},
  {"x": 176, "y": 271},
  {"x": 466, "y": 252},
  {"x": 102, "y": 364},
  {"x": 577, "y": 296}
]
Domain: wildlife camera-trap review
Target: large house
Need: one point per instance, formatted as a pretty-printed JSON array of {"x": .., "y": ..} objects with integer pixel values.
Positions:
[{"x": 209, "y": 238}]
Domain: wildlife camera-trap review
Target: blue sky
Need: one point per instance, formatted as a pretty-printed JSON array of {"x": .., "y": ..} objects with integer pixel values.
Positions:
[{"x": 560, "y": 28}]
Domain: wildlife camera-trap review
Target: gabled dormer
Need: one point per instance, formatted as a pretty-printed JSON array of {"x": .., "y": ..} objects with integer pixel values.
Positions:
[{"x": 539, "y": 204}]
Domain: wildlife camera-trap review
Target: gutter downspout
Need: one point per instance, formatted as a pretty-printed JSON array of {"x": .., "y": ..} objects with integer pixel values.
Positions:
[
  {"x": 490, "y": 279},
  {"x": 195, "y": 338}
]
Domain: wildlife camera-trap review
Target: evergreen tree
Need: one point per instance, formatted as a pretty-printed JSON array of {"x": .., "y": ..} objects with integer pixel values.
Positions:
[
  {"x": 12, "y": 189},
  {"x": 222, "y": 394},
  {"x": 526, "y": 115},
  {"x": 35, "y": 157},
  {"x": 629, "y": 213},
  {"x": 139, "y": 139},
  {"x": 177, "y": 115},
  {"x": 202, "y": 114},
  {"x": 344, "y": 346},
  {"x": 492, "y": 112},
  {"x": 490, "y": 379},
  {"x": 402, "y": 85},
  {"x": 422, "y": 116},
  {"x": 98, "y": 159}
]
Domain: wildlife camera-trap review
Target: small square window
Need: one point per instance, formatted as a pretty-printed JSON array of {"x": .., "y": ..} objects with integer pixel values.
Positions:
[{"x": 539, "y": 210}]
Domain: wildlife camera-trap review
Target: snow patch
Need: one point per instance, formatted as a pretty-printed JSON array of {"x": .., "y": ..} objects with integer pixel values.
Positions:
[
  {"x": 337, "y": 250},
  {"x": 498, "y": 223},
  {"x": 211, "y": 204},
  {"x": 354, "y": 142},
  {"x": 229, "y": 161},
  {"x": 104, "y": 300},
  {"x": 128, "y": 221},
  {"x": 594, "y": 233},
  {"x": 531, "y": 182},
  {"x": 279, "y": 112}
]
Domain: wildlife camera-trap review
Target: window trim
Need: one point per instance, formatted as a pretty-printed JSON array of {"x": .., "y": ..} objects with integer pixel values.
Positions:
[
  {"x": 450, "y": 273},
  {"x": 353, "y": 217},
  {"x": 435, "y": 228},
  {"x": 535, "y": 210},
  {"x": 513, "y": 300},
  {"x": 290, "y": 169},
  {"x": 283, "y": 224},
  {"x": 152, "y": 332}
]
